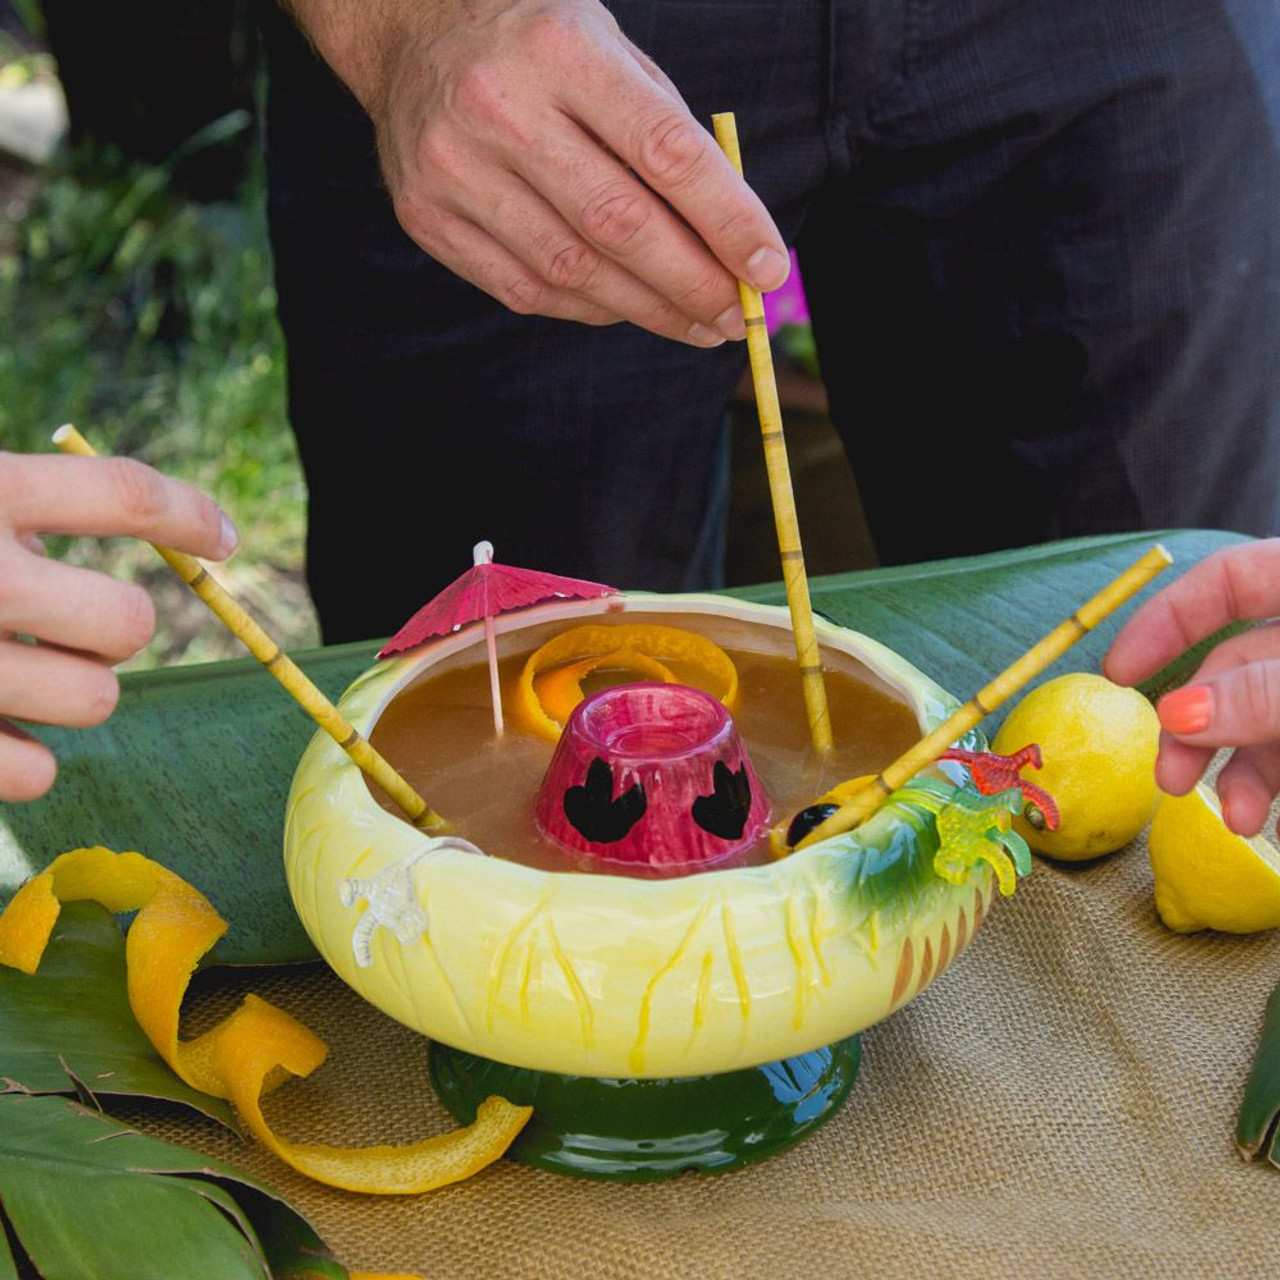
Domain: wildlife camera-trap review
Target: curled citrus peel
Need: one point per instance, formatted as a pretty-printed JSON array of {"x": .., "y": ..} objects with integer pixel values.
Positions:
[
  {"x": 251, "y": 1051},
  {"x": 550, "y": 684},
  {"x": 783, "y": 838},
  {"x": 559, "y": 690}
]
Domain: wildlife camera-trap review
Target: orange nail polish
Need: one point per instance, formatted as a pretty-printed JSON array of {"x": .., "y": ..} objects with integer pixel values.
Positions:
[{"x": 1186, "y": 710}]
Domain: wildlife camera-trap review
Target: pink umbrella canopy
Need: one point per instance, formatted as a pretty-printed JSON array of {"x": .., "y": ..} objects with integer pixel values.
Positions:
[{"x": 485, "y": 590}]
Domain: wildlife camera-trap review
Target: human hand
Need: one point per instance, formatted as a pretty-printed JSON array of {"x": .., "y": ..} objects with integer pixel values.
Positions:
[
  {"x": 81, "y": 621},
  {"x": 530, "y": 147},
  {"x": 1234, "y": 698}
]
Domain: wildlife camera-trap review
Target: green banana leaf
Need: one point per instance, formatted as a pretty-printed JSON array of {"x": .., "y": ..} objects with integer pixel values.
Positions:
[
  {"x": 194, "y": 767},
  {"x": 88, "y": 1197},
  {"x": 68, "y": 1027},
  {"x": 963, "y": 620},
  {"x": 1258, "y": 1127}
]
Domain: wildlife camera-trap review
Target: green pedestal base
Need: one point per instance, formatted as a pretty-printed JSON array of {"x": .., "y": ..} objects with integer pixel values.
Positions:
[{"x": 644, "y": 1130}]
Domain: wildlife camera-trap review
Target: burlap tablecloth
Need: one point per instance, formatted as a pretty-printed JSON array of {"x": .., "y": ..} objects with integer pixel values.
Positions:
[{"x": 1062, "y": 1102}]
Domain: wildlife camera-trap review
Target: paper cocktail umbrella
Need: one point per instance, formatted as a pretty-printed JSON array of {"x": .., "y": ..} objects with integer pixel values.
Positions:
[
  {"x": 285, "y": 670},
  {"x": 485, "y": 590}
]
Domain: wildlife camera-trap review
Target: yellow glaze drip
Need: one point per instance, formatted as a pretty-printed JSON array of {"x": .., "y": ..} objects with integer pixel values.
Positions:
[
  {"x": 580, "y": 998},
  {"x": 646, "y": 1003}
]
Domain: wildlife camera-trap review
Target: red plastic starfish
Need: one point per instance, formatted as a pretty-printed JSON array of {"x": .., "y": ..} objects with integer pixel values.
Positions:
[{"x": 992, "y": 773}]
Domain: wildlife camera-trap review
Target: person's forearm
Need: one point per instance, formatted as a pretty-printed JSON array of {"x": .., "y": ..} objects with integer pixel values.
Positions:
[{"x": 355, "y": 38}]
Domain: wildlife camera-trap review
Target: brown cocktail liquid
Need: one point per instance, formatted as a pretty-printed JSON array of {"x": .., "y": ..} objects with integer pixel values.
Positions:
[{"x": 439, "y": 734}]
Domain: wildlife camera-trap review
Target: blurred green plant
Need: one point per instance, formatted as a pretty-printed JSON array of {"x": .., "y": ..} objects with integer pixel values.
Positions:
[
  {"x": 29, "y": 14},
  {"x": 149, "y": 321}
]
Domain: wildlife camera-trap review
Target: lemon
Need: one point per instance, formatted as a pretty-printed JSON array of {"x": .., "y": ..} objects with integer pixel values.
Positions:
[
  {"x": 1099, "y": 743},
  {"x": 1207, "y": 877}
]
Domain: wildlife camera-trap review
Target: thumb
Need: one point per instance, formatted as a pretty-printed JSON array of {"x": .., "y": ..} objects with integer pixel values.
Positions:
[{"x": 1239, "y": 707}]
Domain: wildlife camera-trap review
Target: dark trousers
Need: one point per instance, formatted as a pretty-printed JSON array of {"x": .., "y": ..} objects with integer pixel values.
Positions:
[{"x": 1041, "y": 243}]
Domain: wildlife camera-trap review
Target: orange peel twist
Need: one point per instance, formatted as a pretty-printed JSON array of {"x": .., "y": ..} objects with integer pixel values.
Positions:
[
  {"x": 252, "y": 1050},
  {"x": 550, "y": 684}
]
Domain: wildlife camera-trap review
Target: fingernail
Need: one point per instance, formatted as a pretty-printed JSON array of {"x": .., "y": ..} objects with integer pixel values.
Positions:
[
  {"x": 701, "y": 336},
  {"x": 230, "y": 538},
  {"x": 1186, "y": 710},
  {"x": 730, "y": 323},
  {"x": 768, "y": 269}
]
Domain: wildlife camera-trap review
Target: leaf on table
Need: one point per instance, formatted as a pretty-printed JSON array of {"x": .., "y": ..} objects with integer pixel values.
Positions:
[
  {"x": 193, "y": 768},
  {"x": 86, "y": 1196},
  {"x": 195, "y": 765},
  {"x": 294, "y": 1251},
  {"x": 8, "y": 1268},
  {"x": 1258, "y": 1127},
  {"x": 68, "y": 1027},
  {"x": 961, "y": 621}
]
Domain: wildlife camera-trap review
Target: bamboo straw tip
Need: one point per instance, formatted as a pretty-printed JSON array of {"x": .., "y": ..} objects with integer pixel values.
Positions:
[
  {"x": 69, "y": 440},
  {"x": 725, "y": 128}
]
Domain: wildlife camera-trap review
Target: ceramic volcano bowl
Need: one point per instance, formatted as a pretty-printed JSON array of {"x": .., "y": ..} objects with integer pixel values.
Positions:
[{"x": 602, "y": 975}]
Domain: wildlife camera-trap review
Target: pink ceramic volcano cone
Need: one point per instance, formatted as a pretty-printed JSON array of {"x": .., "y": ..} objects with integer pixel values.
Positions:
[{"x": 652, "y": 773}]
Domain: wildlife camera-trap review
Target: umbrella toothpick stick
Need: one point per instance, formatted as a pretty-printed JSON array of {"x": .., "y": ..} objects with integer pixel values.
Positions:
[
  {"x": 482, "y": 553},
  {"x": 285, "y": 670},
  {"x": 780, "y": 491},
  {"x": 869, "y": 798}
]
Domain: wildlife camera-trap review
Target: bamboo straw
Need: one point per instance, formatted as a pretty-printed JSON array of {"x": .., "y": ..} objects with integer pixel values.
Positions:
[
  {"x": 869, "y": 798},
  {"x": 779, "y": 471},
  {"x": 261, "y": 645}
]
